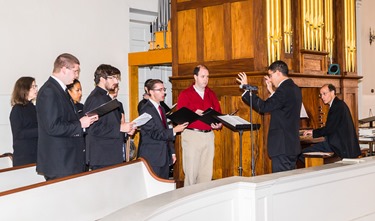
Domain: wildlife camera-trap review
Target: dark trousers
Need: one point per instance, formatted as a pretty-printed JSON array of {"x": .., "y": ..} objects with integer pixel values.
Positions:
[
  {"x": 318, "y": 147},
  {"x": 162, "y": 172},
  {"x": 283, "y": 163},
  {"x": 52, "y": 177}
]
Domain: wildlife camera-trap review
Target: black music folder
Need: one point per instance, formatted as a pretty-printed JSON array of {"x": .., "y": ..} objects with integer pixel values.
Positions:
[
  {"x": 186, "y": 115},
  {"x": 236, "y": 123},
  {"x": 183, "y": 115},
  {"x": 104, "y": 108},
  {"x": 209, "y": 116}
]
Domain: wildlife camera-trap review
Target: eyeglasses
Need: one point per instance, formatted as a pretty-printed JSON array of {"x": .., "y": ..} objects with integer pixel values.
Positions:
[
  {"x": 323, "y": 94},
  {"x": 270, "y": 75},
  {"x": 112, "y": 77},
  {"x": 160, "y": 89},
  {"x": 34, "y": 86},
  {"x": 75, "y": 71}
]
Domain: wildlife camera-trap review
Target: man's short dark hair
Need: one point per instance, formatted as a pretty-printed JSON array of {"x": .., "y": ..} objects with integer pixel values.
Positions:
[
  {"x": 151, "y": 84},
  {"x": 105, "y": 70},
  {"x": 331, "y": 87},
  {"x": 279, "y": 66}
]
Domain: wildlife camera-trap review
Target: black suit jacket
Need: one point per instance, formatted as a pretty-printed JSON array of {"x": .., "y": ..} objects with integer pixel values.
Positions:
[
  {"x": 60, "y": 142},
  {"x": 339, "y": 131},
  {"x": 24, "y": 125},
  {"x": 285, "y": 108},
  {"x": 156, "y": 144},
  {"x": 103, "y": 140}
]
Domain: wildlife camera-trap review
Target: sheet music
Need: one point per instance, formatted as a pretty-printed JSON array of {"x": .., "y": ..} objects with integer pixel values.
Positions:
[
  {"x": 233, "y": 120},
  {"x": 319, "y": 153},
  {"x": 142, "y": 119}
]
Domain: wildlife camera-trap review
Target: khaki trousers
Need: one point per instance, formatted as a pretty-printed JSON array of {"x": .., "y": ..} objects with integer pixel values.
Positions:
[{"x": 198, "y": 150}]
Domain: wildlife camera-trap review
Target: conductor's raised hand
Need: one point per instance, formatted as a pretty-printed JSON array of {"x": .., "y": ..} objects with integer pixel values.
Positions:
[
  {"x": 242, "y": 78},
  {"x": 269, "y": 84}
]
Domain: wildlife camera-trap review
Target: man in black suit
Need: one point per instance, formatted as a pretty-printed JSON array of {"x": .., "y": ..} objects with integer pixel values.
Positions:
[
  {"x": 284, "y": 105},
  {"x": 339, "y": 131},
  {"x": 61, "y": 143},
  {"x": 104, "y": 139},
  {"x": 156, "y": 137}
]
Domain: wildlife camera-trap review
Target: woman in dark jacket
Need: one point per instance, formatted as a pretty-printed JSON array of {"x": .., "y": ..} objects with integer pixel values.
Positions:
[
  {"x": 75, "y": 92},
  {"x": 23, "y": 121}
]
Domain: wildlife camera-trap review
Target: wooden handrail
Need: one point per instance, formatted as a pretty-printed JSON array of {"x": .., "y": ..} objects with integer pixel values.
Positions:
[{"x": 81, "y": 175}]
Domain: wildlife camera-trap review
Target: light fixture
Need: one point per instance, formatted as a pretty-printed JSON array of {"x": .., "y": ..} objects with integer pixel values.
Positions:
[{"x": 372, "y": 36}]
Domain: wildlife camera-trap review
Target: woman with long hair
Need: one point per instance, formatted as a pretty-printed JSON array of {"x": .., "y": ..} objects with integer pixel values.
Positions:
[{"x": 23, "y": 121}]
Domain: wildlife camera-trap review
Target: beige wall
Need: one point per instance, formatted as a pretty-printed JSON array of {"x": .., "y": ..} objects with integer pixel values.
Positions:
[
  {"x": 366, "y": 57},
  {"x": 34, "y": 33}
]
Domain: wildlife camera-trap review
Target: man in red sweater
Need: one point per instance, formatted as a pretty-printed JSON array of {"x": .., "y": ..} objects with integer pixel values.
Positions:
[{"x": 198, "y": 140}]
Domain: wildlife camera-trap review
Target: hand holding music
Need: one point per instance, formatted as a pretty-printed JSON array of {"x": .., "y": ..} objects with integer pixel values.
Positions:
[
  {"x": 128, "y": 127},
  {"x": 216, "y": 126},
  {"x": 307, "y": 133},
  {"x": 86, "y": 121},
  {"x": 180, "y": 127},
  {"x": 199, "y": 112}
]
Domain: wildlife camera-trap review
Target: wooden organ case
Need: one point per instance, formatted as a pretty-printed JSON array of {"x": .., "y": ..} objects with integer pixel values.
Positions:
[{"x": 232, "y": 36}]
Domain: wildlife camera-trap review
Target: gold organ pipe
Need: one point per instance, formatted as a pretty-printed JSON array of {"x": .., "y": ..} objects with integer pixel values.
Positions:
[
  {"x": 313, "y": 24},
  {"x": 284, "y": 25},
  {"x": 313, "y": 30},
  {"x": 350, "y": 38},
  {"x": 311, "y": 8},
  {"x": 273, "y": 30},
  {"x": 320, "y": 25},
  {"x": 278, "y": 29},
  {"x": 329, "y": 28},
  {"x": 287, "y": 26},
  {"x": 290, "y": 26},
  {"x": 346, "y": 33},
  {"x": 353, "y": 43},
  {"x": 304, "y": 23},
  {"x": 268, "y": 32},
  {"x": 307, "y": 24}
]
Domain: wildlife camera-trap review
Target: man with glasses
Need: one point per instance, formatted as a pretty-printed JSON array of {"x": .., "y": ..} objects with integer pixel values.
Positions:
[
  {"x": 104, "y": 139},
  {"x": 60, "y": 143},
  {"x": 284, "y": 105},
  {"x": 156, "y": 144},
  {"x": 198, "y": 141},
  {"x": 339, "y": 131}
]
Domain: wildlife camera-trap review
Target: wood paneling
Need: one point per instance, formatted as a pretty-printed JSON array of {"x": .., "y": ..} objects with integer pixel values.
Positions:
[
  {"x": 187, "y": 36},
  {"x": 213, "y": 37},
  {"x": 230, "y": 36},
  {"x": 242, "y": 38}
]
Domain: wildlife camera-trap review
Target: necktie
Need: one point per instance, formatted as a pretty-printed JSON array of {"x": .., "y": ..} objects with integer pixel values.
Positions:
[{"x": 162, "y": 115}]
